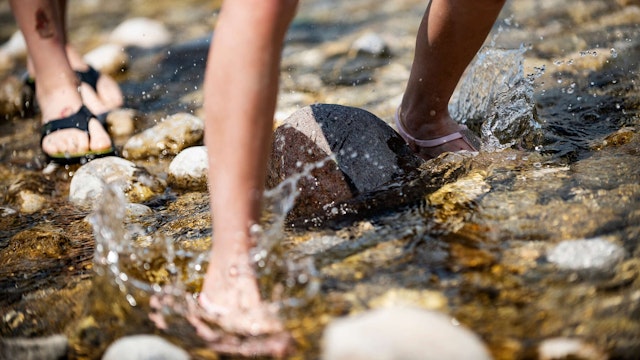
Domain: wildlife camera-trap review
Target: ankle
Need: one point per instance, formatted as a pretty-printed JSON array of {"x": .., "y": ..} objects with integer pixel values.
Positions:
[
  {"x": 425, "y": 124},
  {"x": 57, "y": 102}
]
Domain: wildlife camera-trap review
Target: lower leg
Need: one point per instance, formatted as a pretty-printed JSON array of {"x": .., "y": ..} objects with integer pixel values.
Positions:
[
  {"x": 241, "y": 87},
  {"x": 107, "y": 95},
  {"x": 449, "y": 36},
  {"x": 57, "y": 90}
]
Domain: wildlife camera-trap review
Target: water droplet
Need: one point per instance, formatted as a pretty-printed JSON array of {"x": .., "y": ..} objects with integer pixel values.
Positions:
[
  {"x": 131, "y": 300},
  {"x": 112, "y": 257}
]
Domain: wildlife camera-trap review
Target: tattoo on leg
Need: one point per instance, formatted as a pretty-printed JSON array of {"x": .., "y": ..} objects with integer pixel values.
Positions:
[{"x": 43, "y": 25}]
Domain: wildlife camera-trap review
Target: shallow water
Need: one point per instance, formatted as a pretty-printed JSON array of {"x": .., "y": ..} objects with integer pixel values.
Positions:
[{"x": 555, "y": 96}]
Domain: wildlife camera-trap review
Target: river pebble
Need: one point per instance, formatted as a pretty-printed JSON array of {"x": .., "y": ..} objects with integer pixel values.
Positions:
[
  {"x": 371, "y": 43},
  {"x": 40, "y": 348},
  {"x": 108, "y": 58},
  {"x": 144, "y": 347},
  {"x": 583, "y": 254},
  {"x": 11, "y": 101},
  {"x": 401, "y": 333},
  {"x": 141, "y": 32},
  {"x": 30, "y": 202},
  {"x": 14, "y": 47},
  {"x": 173, "y": 134},
  {"x": 134, "y": 181},
  {"x": 122, "y": 122},
  {"x": 567, "y": 348},
  {"x": 134, "y": 210},
  {"x": 188, "y": 170}
]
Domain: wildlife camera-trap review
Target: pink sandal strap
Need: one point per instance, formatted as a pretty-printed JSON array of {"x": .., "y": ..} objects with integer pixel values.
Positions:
[{"x": 431, "y": 142}]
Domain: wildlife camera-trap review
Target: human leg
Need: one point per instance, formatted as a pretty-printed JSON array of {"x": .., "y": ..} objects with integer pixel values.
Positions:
[
  {"x": 57, "y": 90},
  {"x": 450, "y": 34},
  {"x": 241, "y": 87},
  {"x": 105, "y": 93}
]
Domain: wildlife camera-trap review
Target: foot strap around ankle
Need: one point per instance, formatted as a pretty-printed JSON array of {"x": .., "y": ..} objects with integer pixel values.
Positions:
[{"x": 90, "y": 77}]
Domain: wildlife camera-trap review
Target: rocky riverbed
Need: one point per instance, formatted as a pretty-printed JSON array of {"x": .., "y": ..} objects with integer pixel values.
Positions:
[{"x": 529, "y": 248}]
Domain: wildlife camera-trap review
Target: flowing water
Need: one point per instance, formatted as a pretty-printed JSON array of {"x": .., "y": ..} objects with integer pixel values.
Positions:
[{"x": 555, "y": 95}]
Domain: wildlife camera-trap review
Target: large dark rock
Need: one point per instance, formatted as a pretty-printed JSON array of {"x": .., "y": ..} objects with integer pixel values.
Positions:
[{"x": 361, "y": 153}]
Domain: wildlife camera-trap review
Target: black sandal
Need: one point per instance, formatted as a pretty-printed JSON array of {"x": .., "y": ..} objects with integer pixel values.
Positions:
[
  {"x": 89, "y": 77},
  {"x": 79, "y": 120}
]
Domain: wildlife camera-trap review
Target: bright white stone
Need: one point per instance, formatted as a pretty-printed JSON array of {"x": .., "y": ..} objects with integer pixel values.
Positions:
[
  {"x": 401, "y": 333},
  {"x": 190, "y": 162},
  {"x": 15, "y": 46},
  {"x": 144, "y": 347},
  {"x": 370, "y": 43},
  {"x": 563, "y": 348},
  {"x": 108, "y": 58},
  {"x": 582, "y": 254},
  {"x": 135, "y": 182},
  {"x": 142, "y": 32}
]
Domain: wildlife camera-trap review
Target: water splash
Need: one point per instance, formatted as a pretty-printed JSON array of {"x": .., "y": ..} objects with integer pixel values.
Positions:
[
  {"x": 495, "y": 98},
  {"x": 144, "y": 263}
]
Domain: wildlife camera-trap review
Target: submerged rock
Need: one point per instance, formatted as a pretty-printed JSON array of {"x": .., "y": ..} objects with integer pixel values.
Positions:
[
  {"x": 43, "y": 348},
  {"x": 352, "y": 150},
  {"x": 567, "y": 348},
  {"x": 173, "y": 134},
  {"x": 144, "y": 347},
  {"x": 401, "y": 333},
  {"x": 584, "y": 254},
  {"x": 27, "y": 192},
  {"x": 135, "y": 182},
  {"x": 36, "y": 244}
]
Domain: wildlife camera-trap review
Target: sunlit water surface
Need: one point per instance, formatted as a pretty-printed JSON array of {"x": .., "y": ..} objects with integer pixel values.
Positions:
[{"x": 544, "y": 93}]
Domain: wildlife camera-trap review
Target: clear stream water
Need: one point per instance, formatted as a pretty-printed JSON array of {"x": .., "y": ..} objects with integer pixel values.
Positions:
[{"x": 554, "y": 94}]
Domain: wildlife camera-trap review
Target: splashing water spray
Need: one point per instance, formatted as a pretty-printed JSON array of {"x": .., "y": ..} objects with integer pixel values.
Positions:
[{"x": 123, "y": 250}]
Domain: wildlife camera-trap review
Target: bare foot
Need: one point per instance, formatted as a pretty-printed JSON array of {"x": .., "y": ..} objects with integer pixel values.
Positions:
[{"x": 252, "y": 332}]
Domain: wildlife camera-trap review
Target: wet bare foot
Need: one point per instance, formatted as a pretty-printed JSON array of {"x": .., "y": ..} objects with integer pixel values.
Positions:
[{"x": 232, "y": 331}]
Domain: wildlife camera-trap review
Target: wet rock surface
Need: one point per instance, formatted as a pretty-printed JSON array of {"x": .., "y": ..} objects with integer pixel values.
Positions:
[
  {"x": 136, "y": 182},
  {"x": 352, "y": 150},
  {"x": 170, "y": 136},
  {"x": 471, "y": 237}
]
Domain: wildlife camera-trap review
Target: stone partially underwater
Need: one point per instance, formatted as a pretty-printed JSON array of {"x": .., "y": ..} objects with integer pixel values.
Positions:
[
  {"x": 359, "y": 152},
  {"x": 532, "y": 245}
]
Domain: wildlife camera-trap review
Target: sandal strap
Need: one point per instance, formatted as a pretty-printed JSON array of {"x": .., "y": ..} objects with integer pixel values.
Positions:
[
  {"x": 89, "y": 76},
  {"x": 431, "y": 142},
  {"x": 79, "y": 120}
]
